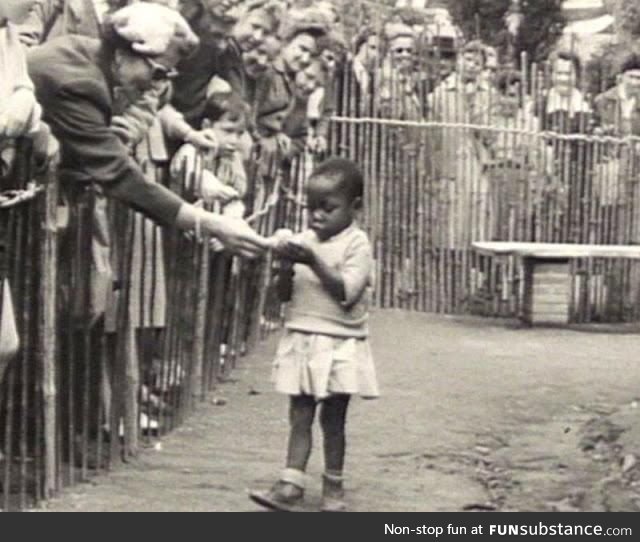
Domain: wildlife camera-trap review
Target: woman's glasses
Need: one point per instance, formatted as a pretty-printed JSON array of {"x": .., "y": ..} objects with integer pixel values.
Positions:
[
  {"x": 160, "y": 72},
  {"x": 402, "y": 50}
]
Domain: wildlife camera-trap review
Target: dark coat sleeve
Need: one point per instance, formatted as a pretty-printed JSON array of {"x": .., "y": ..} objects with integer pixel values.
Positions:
[{"x": 93, "y": 153}]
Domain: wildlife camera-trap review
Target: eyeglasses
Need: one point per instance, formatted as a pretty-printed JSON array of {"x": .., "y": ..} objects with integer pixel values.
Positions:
[
  {"x": 400, "y": 50},
  {"x": 160, "y": 72}
]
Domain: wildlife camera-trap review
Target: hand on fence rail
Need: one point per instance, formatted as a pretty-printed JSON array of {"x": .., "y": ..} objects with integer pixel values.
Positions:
[
  {"x": 213, "y": 189},
  {"x": 46, "y": 148},
  {"x": 204, "y": 140},
  {"x": 11, "y": 198}
]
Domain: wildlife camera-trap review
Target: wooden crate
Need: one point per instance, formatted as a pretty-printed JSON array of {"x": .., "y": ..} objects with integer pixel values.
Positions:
[{"x": 547, "y": 292}]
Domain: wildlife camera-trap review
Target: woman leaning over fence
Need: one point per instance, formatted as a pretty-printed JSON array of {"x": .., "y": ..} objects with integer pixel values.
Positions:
[{"x": 75, "y": 79}]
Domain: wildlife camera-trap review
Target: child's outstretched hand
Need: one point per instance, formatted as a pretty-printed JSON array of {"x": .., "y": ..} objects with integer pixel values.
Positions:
[
  {"x": 286, "y": 245},
  {"x": 298, "y": 252},
  {"x": 279, "y": 239}
]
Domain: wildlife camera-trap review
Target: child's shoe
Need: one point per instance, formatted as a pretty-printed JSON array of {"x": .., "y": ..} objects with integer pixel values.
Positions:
[
  {"x": 333, "y": 493},
  {"x": 285, "y": 495}
]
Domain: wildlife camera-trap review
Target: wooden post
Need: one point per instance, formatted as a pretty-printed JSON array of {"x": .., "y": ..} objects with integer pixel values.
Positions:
[{"x": 48, "y": 329}]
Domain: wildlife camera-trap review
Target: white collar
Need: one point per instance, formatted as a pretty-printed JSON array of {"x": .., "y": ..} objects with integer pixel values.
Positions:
[
  {"x": 627, "y": 104},
  {"x": 574, "y": 103},
  {"x": 454, "y": 82}
]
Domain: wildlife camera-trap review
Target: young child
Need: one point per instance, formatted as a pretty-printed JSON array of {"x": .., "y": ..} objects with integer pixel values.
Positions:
[
  {"x": 223, "y": 176},
  {"x": 324, "y": 357}
]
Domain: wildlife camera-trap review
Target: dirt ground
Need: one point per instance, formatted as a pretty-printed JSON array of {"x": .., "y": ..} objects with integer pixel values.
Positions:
[{"x": 476, "y": 415}]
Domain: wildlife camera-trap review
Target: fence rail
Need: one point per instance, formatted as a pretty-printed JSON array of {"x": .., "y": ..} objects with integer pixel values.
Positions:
[{"x": 429, "y": 196}]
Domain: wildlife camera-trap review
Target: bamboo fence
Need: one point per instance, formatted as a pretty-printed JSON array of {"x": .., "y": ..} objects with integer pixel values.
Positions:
[
  {"x": 27, "y": 377},
  {"x": 468, "y": 162},
  {"x": 119, "y": 345}
]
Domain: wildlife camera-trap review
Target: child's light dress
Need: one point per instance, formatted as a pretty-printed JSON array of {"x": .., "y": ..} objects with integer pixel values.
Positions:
[{"x": 325, "y": 348}]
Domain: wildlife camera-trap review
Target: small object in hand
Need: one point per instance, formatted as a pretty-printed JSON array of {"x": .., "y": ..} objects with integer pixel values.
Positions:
[
  {"x": 280, "y": 238},
  {"x": 285, "y": 281},
  {"x": 218, "y": 401},
  {"x": 298, "y": 251}
]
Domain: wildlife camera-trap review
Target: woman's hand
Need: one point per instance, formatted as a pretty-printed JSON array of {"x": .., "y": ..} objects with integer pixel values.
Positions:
[
  {"x": 46, "y": 148},
  {"x": 17, "y": 113},
  {"x": 319, "y": 145},
  {"x": 279, "y": 241},
  {"x": 213, "y": 189},
  {"x": 283, "y": 142},
  {"x": 235, "y": 235}
]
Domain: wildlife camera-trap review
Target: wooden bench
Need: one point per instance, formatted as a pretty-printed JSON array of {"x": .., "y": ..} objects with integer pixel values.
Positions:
[{"x": 547, "y": 280}]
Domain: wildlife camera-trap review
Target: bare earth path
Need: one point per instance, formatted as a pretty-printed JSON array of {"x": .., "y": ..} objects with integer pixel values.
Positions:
[{"x": 475, "y": 415}]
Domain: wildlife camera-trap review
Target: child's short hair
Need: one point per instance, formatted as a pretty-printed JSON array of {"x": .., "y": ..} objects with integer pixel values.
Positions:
[
  {"x": 346, "y": 171},
  {"x": 227, "y": 103},
  {"x": 568, "y": 56},
  {"x": 631, "y": 61}
]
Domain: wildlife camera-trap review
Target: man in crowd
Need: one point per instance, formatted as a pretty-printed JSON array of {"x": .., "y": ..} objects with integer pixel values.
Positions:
[{"x": 617, "y": 110}]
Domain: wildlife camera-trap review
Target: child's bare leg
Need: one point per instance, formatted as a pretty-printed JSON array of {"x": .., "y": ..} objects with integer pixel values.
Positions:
[
  {"x": 288, "y": 491},
  {"x": 333, "y": 415},
  {"x": 302, "y": 409}
]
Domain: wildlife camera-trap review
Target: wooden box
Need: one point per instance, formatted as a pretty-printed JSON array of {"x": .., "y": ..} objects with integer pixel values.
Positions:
[{"x": 547, "y": 291}]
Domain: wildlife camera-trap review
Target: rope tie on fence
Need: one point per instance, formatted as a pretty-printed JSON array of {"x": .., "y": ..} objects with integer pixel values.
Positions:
[
  {"x": 277, "y": 195},
  {"x": 11, "y": 198}
]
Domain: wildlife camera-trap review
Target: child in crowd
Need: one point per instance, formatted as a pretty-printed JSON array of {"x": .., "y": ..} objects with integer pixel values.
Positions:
[
  {"x": 220, "y": 173},
  {"x": 324, "y": 357}
]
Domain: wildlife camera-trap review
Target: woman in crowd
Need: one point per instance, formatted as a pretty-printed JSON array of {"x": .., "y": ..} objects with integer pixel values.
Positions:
[
  {"x": 75, "y": 79},
  {"x": 299, "y": 35},
  {"x": 398, "y": 97}
]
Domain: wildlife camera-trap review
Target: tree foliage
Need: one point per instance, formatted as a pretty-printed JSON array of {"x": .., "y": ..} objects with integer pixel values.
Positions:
[
  {"x": 627, "y": 14},
  {"x": 543, "y": 22}
]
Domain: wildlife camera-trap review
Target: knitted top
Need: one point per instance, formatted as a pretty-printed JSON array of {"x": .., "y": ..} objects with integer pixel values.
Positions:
[{"x": 312, "y": 309}]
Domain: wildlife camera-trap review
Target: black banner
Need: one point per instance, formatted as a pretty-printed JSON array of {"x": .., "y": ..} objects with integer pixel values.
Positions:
[{"x": 354, "y": 527}]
